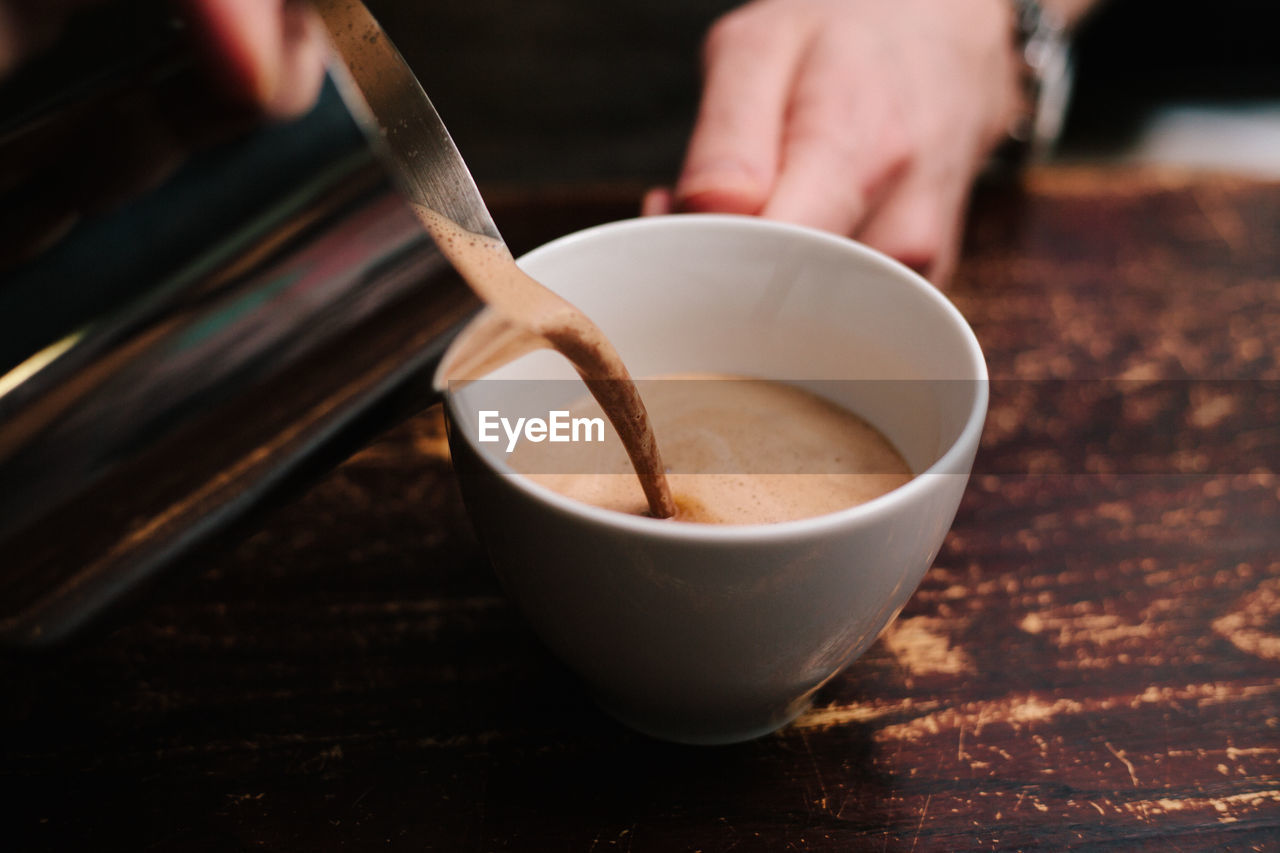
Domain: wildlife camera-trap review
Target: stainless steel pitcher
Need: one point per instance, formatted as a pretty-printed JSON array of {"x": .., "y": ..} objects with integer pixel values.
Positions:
[{"x": 191, "y": 318}]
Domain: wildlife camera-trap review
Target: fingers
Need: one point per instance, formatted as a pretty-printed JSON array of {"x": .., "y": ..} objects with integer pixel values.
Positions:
[
  {"x": 844, "y": 146},
  {"x": 734, "y": 150},
  {"x": 920, "y": 218},
  {"x": 657, "y": 202},
  {"x": 304, "y": 51},
  {"x": 267, "y": 53},
  {"x": 920, "y": 223},
  {"x": 793, "y": 124},
  {"x": 859, "y": 117}
]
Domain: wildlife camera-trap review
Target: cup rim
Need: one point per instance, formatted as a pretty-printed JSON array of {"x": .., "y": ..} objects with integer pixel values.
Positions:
[{"x": 949, "y": 463}]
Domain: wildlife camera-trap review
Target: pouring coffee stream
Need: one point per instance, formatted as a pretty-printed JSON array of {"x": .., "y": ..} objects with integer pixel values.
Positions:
[
  {"x": 448, "y": 203},
  {"x": 529, "y": 316}
]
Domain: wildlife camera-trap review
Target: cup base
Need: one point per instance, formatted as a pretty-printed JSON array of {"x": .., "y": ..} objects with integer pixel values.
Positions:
[{"x": 703, "y": 733}]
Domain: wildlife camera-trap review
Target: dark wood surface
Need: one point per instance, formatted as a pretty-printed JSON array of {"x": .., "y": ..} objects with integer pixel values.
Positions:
[{"x": 1093, "y": 661}]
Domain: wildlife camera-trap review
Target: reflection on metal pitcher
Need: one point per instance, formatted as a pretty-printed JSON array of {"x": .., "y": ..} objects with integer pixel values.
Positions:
[{"x": 193, "y": 309}]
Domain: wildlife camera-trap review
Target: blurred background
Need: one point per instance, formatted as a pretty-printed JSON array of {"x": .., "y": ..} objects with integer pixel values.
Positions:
[{"x": 578, "y": 91}]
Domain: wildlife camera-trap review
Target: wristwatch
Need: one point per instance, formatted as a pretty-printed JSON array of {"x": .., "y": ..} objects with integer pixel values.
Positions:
[{"x": 1045, "y": 50}]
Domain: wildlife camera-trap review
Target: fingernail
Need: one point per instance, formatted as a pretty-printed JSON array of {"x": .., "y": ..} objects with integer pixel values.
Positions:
[
  {"x": 657, "y": 202},
  {"x": 725, "y": 185},
  {"x": 718, "y": 175}
]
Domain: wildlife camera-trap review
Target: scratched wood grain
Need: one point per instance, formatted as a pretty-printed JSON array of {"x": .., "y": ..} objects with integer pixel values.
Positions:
[{"x": 1093, "y": 662}]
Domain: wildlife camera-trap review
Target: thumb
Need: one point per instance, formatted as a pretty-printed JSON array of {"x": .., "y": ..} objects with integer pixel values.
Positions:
[
  {"x": 266, "y": 53},
  {"x": 733, "y": 152}
]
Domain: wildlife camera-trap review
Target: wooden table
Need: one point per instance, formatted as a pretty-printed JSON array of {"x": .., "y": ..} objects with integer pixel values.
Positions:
[{"x": 1094, "y": 660}]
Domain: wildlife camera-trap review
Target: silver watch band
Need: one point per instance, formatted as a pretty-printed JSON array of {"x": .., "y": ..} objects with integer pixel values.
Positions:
[{"x": 1045, "y": 50}]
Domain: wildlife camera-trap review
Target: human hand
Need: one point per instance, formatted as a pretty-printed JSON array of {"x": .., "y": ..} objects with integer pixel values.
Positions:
[
  {"x": 868, "y": 118},
  {"x": 265, "y": 54},
  {"x": 255, "y": 59}
]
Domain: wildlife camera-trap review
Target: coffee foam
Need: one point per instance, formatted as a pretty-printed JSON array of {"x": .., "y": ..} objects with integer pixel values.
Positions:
[{"x": 778, "y": 453}]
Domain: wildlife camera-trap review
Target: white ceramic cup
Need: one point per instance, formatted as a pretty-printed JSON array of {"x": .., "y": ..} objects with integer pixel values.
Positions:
[{"x": 714, "y": 634}]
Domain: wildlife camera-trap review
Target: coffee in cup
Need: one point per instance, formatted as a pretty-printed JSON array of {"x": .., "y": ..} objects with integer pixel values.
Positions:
[{"x": 737, "y": 451}]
